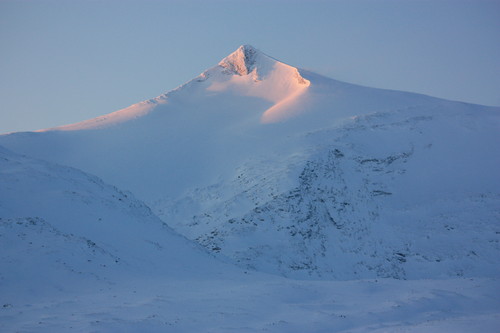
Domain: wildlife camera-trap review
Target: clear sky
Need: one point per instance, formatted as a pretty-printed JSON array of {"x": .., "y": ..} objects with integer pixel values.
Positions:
[{"x": 67, "y": 61}]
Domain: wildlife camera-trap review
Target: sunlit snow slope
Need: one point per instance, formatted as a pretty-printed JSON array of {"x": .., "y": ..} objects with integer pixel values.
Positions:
[{"x": 289, "y": 172}]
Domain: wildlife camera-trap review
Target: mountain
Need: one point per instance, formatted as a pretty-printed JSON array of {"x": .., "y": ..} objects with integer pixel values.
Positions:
[
  {"x": 218, "y": 119},
  {"x": 291, "y": 173}
]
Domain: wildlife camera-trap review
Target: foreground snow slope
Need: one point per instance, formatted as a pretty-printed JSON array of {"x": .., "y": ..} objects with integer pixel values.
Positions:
[
  {"x": 78, "y": 254},
  {"x": 62, "y": 229},
  {"x": 256, "y": 303},
  {"x": 288, "y": 172}
]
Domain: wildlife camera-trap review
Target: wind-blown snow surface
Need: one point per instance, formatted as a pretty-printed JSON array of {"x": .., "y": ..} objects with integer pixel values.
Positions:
[{"x": 282, "y": 171}]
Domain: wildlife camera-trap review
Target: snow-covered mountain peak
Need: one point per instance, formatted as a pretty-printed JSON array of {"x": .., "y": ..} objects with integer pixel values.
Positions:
[
  {"x": 243, "y": 60},
  {"x": 247, "y": 72},
  {"x": 249, "y": 60},
  {"x": 250, "y": 72}
]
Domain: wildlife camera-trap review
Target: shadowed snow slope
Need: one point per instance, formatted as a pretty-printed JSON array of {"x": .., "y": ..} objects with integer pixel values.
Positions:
[
  {"x": 63, "y": 230},
  {"x": 289, "y": 172}
]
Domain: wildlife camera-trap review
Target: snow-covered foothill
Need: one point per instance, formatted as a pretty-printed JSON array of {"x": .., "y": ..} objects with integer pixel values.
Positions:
[{"x": 62, "y": 229}]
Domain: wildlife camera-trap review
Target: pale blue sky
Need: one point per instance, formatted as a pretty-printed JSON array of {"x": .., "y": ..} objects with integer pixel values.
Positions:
[{"x": 67, "y": 61}]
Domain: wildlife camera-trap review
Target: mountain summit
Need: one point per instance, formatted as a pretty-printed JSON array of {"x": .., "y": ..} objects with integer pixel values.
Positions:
[
  {"x": 250, "y": 72},
  {"x": 247, "y": 60},
  {"x": 247, "y": 72},
  {"x": 242, "y": 61}
]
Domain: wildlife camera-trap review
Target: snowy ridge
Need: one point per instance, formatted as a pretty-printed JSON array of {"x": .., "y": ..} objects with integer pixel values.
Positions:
[{"x": 130, "y": 113}]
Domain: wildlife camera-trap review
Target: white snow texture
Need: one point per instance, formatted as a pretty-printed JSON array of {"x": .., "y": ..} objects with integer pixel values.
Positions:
[{"x": 256, "y": 197}]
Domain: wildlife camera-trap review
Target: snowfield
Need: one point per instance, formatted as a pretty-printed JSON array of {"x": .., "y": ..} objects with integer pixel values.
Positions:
[{"x": 256, "y": 197}]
